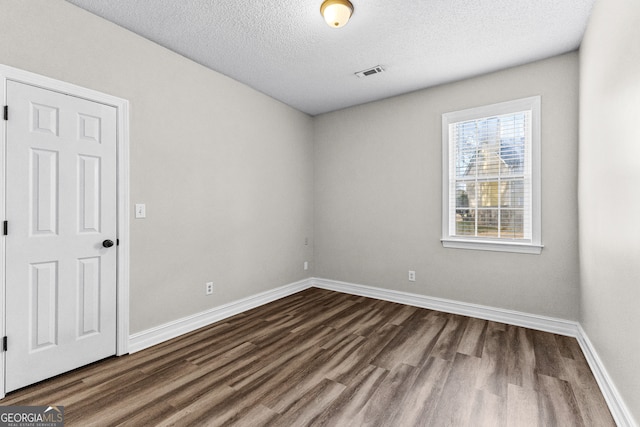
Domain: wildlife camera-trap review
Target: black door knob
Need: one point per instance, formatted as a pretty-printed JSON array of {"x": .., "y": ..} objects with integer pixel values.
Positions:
[{"x": 107, "y": 243}]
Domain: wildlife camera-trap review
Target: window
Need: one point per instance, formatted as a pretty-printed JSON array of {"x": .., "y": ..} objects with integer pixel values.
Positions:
[{"x": 491, "y": 177}]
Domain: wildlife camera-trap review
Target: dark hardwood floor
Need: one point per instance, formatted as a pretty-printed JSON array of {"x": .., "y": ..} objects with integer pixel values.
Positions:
[{"x": 325, "y": 358}]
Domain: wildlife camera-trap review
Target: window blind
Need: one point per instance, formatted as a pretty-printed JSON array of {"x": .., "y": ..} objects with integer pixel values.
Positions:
[{"x": 490, "y": 177}]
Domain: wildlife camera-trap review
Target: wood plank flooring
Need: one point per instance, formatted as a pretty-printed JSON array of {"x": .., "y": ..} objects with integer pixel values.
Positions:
[{"x": 324, "y": 358}]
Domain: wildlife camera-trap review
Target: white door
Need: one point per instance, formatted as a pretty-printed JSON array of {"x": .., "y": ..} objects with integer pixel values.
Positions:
[{"x": 61, "y": 213}]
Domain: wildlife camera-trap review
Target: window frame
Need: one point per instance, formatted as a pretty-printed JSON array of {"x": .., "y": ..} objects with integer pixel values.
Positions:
[{"x": 527, "y": 246}]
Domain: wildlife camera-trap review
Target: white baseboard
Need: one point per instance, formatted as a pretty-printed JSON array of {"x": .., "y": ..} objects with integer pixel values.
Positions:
[
  {"x": 618, "y": 409},
  {"x": 150, "y": 337},
  {"x": 532, "y": 321}
]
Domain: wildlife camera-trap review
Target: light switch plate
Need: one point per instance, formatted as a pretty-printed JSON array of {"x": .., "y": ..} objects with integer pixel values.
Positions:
[{"x": 141, "y": 210}]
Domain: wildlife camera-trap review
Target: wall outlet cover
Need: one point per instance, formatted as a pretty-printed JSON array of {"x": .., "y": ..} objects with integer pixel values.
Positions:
[{"x": 141, "y": 210}]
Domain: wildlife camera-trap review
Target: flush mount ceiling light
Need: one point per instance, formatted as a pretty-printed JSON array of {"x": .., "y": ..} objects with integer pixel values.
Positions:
[{"x": 336, "y": 12}]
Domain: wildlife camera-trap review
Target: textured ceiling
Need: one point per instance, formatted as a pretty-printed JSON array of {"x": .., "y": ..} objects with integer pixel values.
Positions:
[{"x": 286, "y": 50}]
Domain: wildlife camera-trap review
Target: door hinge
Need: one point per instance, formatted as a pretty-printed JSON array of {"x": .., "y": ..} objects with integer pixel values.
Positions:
[
  {"x": 5, "y": 228},
  {"x": 4, "y": 344},
  {"x": 117, "y": 242},
  {"x": 6, "y": 112}
]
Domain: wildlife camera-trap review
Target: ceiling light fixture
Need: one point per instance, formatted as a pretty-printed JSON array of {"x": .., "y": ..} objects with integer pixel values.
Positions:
[{"x": 336, "y": 12}]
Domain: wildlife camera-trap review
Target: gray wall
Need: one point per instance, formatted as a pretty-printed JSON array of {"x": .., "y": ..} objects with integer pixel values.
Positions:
[
  {"x": 609, "y": 192},
  {"x": 226, "y": 172},
  {"x": 378, "y": 191}
]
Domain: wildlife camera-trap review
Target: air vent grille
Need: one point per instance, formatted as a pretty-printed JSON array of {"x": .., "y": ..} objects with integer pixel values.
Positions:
[{"x": 371, "y": 71}]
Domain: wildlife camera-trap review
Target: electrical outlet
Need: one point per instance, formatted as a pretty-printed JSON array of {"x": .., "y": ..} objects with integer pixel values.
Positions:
[
  {"x": 306, "y": 265},
  {"x": 412, "y": 276},
  {"x": 208, "y": 288}
]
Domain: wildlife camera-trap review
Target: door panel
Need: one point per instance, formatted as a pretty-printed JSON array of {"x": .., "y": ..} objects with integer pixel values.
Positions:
[
  {"x": 61, "y": 205},
  {"x": 88, "y": 296},
  {"x": 44, "y": 189},
  {"x": 89, "y": 194},
  {"x": 43, "y": 305}
]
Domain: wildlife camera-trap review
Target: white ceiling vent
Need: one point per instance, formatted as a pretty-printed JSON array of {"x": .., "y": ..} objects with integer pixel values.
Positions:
[{"x": 370, "y": 72}]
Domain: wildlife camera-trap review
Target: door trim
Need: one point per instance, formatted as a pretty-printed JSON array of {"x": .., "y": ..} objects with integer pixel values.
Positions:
[{"x": 122, "y": 185}]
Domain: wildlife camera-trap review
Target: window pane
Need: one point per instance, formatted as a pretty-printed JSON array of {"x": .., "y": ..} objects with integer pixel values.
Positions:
[
  {"x": 465, "y": 225},
  {"x": 466, "y": 147},
  {"x": 487, "y": 193},
  {"x": 512, "y": 223},
  {"x": 462, "y": 195},
  {"x": 513, "y": 194},
  {"x": 512, "y": 143},
  {"x": 488, "y": 222}
]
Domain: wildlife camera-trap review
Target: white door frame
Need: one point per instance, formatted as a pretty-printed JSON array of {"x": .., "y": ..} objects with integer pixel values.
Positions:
[{"x": 122, "y": 263}]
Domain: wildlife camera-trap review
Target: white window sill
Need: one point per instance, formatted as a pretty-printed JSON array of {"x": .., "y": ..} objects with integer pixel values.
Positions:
[{"x": 484, "y": 245}]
